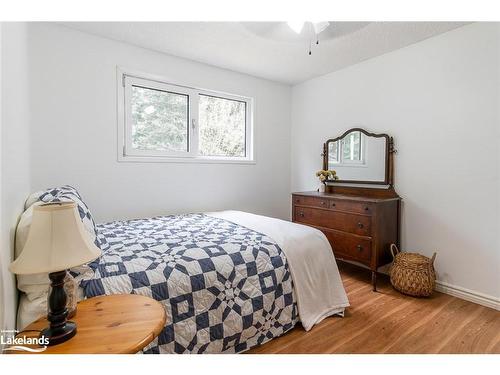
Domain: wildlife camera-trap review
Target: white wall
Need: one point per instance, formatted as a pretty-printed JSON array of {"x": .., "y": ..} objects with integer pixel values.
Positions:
[
  {"x": 74, "y": 127},
  {"x": 439, "y": 99},
  {"x": 15, "y": 154}
]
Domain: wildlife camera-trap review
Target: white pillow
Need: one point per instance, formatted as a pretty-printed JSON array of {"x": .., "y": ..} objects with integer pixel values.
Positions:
[{"x": 29, "y": 311}]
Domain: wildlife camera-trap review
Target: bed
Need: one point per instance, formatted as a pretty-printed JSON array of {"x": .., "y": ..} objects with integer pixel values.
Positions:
[{"x": 229, "y": 280}]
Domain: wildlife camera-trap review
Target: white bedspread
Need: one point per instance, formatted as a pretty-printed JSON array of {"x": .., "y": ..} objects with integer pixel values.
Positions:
[{"x": 318, "y": 286}]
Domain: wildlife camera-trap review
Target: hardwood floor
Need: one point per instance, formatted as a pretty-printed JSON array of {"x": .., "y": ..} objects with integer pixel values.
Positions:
[{"x": 389, "y": 322}]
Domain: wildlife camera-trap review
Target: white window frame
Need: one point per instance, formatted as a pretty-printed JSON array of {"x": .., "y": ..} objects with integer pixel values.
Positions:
[
  {"x": 351, "y": 163},
  {"x": 361, "y": 160},
  {"x": 126, "y": 153}
]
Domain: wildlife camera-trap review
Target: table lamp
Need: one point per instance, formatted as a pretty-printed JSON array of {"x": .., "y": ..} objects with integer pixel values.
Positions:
[{"x": 57, "y": 241}]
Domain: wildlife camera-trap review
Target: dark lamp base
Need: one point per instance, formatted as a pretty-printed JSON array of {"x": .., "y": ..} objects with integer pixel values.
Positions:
[
  {"x": 60, "y": 334},
  {"x": 59, "y": 330}
]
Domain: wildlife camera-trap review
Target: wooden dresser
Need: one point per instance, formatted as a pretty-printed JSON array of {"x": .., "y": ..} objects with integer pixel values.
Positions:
[{"x": 360, "y": 227}]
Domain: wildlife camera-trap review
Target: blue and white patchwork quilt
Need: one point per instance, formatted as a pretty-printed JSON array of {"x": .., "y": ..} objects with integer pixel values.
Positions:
[{"x": 225, "y": 288}]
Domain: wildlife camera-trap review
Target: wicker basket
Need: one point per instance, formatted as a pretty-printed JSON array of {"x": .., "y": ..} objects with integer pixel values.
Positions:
[{"x": 412, "y": 274}]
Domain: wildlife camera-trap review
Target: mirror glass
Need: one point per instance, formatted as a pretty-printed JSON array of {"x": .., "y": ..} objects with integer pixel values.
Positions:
[{"x": 358, "y": 157}]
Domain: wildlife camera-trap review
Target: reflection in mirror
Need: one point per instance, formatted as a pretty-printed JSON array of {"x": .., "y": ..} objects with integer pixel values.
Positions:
[
  {"x": 358, "y": 157},
  {"x": 345, "y": 151}
]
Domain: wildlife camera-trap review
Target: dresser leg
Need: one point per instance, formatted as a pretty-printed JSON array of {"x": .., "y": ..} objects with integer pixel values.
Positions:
[{"x": 374, "y": 280}]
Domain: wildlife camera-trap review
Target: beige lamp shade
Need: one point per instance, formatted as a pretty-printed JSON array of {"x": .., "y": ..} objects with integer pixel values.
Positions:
[{"x": 56, "y": 241}]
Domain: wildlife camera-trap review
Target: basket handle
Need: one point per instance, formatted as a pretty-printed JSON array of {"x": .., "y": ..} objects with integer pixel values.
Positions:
[
  {"x": 431, "y": 263},
  {"x": 396, "y": 252}
]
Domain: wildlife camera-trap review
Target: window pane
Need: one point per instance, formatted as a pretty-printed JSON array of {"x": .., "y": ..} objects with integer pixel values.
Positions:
[
  {"x": 351, "y": 150},
  {"x": 333, "y": 152},
  {"x": 159, "y": 120},
  {"x": 222, "y": 126}
]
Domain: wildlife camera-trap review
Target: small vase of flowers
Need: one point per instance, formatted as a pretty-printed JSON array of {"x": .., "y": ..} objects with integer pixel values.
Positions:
[{"x": 324, "y": 177}]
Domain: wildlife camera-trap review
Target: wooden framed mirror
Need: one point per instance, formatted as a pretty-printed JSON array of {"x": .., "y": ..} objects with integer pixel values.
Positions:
[{"x": 360, "y": 157}]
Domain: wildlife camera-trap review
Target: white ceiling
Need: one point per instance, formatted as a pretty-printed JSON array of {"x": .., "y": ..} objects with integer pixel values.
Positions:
[{"x": 269, "y": 50}]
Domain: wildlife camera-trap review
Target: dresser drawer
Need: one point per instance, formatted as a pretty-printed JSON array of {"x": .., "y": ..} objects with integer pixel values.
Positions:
[
  {"x": 311, "y": 201},
  {"x": 349, "y": 246},
  {"x": 351, "y": 206},
  {"x": 357, "y": 224}
]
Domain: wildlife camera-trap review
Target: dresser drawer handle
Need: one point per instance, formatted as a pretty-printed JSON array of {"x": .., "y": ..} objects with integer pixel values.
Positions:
[
  {"x": 297, "y": 200},
  {"x": 359, "y": 247},
  {"x": 360, "y": 225},
  {"x": 367, "y": 208},
  {"x": 301, "y": 214},
  {"x": 322, "y": 203},
  {"x": 333, "y": 204}
]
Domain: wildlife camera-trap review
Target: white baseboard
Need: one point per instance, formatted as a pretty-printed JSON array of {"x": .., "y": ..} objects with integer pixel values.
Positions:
[
  {"x": 468, "y": 295},
  {"x": 457, "y": 291}
]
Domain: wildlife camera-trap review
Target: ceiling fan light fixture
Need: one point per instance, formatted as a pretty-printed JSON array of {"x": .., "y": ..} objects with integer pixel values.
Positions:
[
  {"x": 296, "y": 26},
  {"x": 310, "y": 30}
]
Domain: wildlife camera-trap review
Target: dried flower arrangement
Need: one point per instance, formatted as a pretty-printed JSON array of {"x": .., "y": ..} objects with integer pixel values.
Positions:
[{"x": 328, "y": 175}]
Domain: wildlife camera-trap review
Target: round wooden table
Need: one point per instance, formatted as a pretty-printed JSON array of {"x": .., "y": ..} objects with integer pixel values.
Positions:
[{"x": 120, "y": 323}]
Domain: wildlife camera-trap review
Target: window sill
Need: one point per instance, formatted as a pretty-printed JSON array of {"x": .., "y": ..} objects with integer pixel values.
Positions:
[
  {"x": 196, "y": 160},
  {"x": 349, "y": 165}
]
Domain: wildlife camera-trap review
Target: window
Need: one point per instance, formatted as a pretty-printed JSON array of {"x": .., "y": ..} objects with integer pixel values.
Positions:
[
  {"x": 165, "y": 122},
  {"x": 348, "y": 150},
  {"x": 333, "y": 152},
  {"x": 222, "y": 126},
  {"x": 351, "y": 148},
  {"x": 160, "y": 120}
]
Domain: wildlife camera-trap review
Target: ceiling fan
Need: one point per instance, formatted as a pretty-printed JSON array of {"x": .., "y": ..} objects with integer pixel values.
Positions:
[{"x": 312, "y": 28}]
